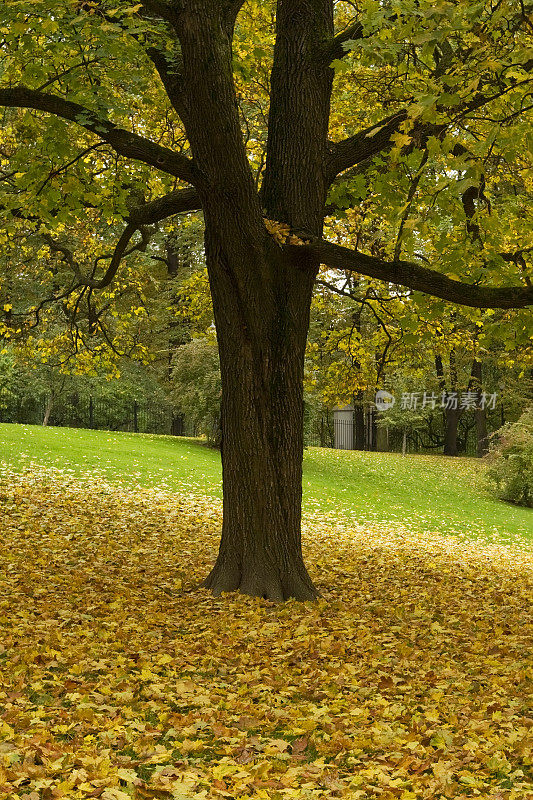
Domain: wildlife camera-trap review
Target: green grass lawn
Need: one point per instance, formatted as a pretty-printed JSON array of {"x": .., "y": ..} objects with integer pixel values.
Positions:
[{"x": 424, "y": 493}]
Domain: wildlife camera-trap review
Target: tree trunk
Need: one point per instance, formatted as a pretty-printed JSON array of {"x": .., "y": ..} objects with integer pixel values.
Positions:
[
  {"x": 482, "y": 432},
  {"x": 372, "y": 430},
  {"x": 451, "y": 415},
  {"x": 404, "y": 442},
  {"x": 480, "y": 413},
  {"x": 324, "y": 430},
  {"x": 359, "y": 422},
  {"x": 261, "y": 294},
  {"x": 48, "y": 410},
  {"x": 262, "y": 347},
  {"x": 178, "y": 425},
  {"x": 451, "y": 422}
]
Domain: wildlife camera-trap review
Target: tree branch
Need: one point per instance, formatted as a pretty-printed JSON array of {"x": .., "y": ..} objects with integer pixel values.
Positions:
[
  {"x": 335, "y": 48},
  {"x": 160, "y": 8},
  {"x": 177, "y": 202},
  {"x": 116, "y": 258},
  {"x": 125, "y": 143},
  {"x": 363, "y": 145},
  {"x": 170, "y": 75},
  {"x": 413, "y": 276},
  {"x": 410, "y": 197}
]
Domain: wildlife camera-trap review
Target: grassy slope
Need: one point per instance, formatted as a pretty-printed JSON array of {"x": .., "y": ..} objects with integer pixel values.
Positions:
[{"x": 426, "y": 493}]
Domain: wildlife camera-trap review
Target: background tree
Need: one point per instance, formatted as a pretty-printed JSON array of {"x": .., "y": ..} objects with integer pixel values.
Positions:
[{"x": 196, "y": 386}]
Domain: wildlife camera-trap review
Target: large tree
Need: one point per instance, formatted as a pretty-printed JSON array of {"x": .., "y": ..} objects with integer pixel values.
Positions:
[{"x": 436, "y": 79}]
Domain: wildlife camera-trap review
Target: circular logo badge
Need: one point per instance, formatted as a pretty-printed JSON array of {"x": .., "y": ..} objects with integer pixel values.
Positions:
[{"x": 384, "y": 400}]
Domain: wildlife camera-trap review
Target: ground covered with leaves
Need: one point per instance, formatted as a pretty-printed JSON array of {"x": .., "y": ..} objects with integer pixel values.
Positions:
[{"x": 410, "y": 678}]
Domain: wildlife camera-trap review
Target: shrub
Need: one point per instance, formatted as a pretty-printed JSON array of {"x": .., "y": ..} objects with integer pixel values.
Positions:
[{"x": 510, "y": 472}]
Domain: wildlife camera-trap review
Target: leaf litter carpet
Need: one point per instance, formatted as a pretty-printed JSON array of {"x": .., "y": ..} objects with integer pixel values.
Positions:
[{"x": 410, "y": 678}]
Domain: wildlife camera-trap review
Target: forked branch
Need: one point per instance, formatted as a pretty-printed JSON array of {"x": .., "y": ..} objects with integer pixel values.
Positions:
[{"x": 121, "y": 250}]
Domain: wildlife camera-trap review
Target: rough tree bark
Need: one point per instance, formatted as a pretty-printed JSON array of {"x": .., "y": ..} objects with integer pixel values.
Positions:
[
  {"x": 261, "y": 299},
  {"x": 261, "y": 360}
]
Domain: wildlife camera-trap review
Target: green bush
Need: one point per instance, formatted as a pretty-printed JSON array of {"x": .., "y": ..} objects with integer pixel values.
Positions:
[{"x": 510, "y": 472}]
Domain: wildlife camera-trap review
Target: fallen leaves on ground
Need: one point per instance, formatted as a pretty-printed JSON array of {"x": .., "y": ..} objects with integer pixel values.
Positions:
[{"x": 410, "y": 678}]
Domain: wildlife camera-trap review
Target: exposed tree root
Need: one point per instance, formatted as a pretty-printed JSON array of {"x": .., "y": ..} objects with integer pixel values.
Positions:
[{"x": 269, "y": 584}]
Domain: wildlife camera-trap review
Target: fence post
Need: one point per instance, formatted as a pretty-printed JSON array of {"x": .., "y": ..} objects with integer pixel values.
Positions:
[
  {"x": 91, "y": 412},
  {"x": 135, "y": 422},
  {"x": 343, "y": 427}
]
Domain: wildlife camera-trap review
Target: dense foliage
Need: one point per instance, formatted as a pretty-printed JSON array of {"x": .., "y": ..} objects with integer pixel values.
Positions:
[{"x": 451, "y": 187}]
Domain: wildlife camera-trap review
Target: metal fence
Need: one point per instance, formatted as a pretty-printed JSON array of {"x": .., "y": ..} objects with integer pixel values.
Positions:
[
  {"x": 425, "y": 443},
  {"x": 321, "y": 433},
  {"x": 88, "y": 412},
  {"x": 341, "y": 434},
  {"x": 116, "y": 414}
]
